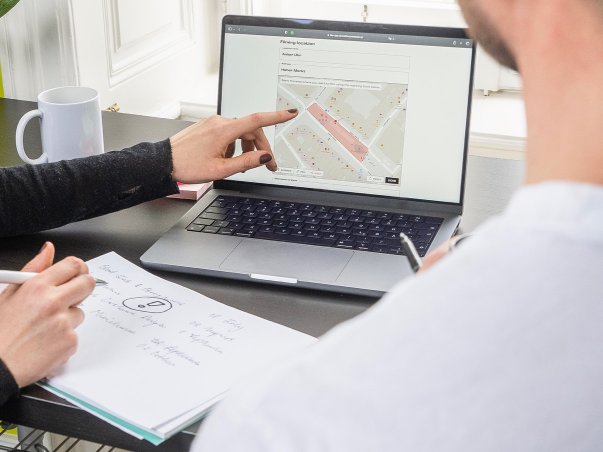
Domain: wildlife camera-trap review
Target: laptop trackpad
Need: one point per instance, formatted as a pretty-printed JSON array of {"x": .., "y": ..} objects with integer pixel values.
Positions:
[{"x": 287, "y": 260}]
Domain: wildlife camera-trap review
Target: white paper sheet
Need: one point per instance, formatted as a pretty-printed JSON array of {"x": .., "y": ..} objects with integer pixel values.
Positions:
[{"x": 151, "y": 351}]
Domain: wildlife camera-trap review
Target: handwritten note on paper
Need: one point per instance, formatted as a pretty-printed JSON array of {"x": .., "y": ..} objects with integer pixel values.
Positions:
[{"x": 150, "y": 350}]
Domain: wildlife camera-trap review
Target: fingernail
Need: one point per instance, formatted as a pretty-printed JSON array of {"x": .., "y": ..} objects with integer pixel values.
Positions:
[
  {"x": 265, "y": 159},
  {"x": 292, "y": 110},
  {"x": 43, "y": 247}
]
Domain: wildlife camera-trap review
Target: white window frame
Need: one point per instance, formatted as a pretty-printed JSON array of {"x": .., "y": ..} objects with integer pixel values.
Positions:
[{"x": 490, "y": 76}]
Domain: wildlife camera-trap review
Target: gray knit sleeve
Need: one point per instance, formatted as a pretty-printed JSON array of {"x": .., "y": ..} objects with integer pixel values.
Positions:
[{"x": 8, "y": 385}]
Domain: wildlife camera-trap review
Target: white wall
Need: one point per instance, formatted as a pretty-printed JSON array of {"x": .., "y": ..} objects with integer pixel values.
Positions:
[{"x": 145, "y": 55}]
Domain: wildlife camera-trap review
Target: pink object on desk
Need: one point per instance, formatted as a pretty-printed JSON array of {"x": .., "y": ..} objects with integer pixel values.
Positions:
[{"x": 191, "y": 191}]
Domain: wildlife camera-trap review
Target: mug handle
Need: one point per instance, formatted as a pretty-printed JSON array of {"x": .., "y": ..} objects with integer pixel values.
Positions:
[{"x": 19, "y": 138}]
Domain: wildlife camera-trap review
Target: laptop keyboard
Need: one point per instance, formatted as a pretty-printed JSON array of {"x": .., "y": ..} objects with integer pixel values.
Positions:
[{"x": 313, "y": 224}]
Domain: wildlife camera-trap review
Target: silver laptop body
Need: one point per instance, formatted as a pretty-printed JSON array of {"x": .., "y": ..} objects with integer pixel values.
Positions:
[{"x": 383, "y": 127}]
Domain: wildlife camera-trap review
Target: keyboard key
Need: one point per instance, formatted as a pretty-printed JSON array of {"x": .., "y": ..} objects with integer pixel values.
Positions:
[
  {"x": 324, "y": 216},
  {"x": 211, "y": 229},
  {"x": 296, "y": 226},
  {"x": 195, "y": 228},
  {"x": 340, "y": 217},
  {"x": 221, "y": 224},
  {"x": 213, "y": 216},
  {"x": 215, "y": 210},
  {"x": 315, "y": 221},
  {"x": 203, "y": 221},
  {"x": 226, "y": 231}
]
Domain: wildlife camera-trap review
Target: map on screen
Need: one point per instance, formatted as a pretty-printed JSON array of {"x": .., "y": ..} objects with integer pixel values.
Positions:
[{"x": 346, "y": 130}]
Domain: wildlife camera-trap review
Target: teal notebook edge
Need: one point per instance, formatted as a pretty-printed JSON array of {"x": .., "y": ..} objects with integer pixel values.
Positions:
[
  {"x": 153, "y": 439},
  {"x": 115, "y": 420}
]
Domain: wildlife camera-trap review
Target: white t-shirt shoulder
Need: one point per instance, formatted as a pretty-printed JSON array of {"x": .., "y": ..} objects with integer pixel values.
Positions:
[{"x": 497, "y": 348}]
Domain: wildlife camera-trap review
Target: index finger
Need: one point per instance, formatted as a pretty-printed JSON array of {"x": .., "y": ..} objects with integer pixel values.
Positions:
[
  {"x": 64, "y": 271},
  {"x": 255, "y": 121}
]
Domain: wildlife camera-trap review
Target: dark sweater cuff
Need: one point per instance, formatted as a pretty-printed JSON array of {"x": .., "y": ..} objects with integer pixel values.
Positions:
[{"x": 8, "y": 385}]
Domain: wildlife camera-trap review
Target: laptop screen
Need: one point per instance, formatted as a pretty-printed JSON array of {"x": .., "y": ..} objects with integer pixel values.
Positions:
[{"x": 383, "y": 110}]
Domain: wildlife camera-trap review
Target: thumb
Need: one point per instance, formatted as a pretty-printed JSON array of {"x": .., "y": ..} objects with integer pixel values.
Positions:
[
  {"x": 43, "y": 259},
  {"x": 41, "y": 262},
  {"x": 246, "y": 161}
]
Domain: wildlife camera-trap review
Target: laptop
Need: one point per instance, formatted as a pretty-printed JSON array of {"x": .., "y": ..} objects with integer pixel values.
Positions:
[{"x": 379, "y": 147}]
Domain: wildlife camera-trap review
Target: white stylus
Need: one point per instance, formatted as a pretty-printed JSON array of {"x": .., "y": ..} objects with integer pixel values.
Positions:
[{"x": 13, "y": 277}]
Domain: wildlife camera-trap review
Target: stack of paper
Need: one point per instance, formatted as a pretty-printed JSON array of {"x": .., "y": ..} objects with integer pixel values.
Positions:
[
  {"x": 191, "y": 191},
  {"x": 154, "y": 356}
]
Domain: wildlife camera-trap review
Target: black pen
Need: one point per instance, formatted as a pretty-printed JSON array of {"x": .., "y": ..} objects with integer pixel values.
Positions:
[{"x": 411, "y": 253}]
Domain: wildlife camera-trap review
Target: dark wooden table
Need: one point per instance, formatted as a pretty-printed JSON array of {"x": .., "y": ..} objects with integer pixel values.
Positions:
[{"x": 490, "y": 183}]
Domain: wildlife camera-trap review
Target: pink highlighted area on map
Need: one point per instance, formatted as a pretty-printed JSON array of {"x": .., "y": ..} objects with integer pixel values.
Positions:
[{"x": 341, "y": 134}]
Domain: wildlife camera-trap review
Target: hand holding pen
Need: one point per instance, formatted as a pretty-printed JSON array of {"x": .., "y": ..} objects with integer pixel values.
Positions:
[
  {"x": 38, "y": 318},
  {"x": 415, "y": 260}
]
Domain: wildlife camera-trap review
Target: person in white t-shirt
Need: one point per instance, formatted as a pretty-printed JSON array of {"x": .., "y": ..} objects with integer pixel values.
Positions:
[{"x": 499, "y": 345}]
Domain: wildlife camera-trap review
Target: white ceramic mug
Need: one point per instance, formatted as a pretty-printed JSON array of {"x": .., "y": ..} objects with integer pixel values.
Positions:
[{"x": 70, "y": 124}]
